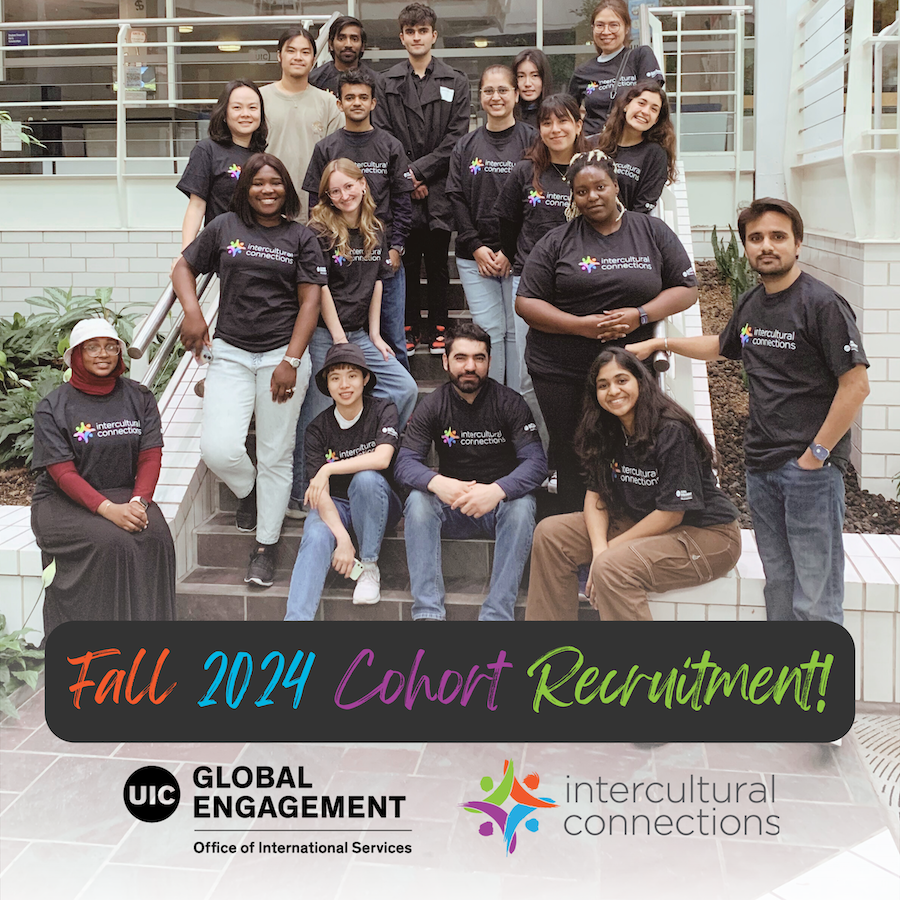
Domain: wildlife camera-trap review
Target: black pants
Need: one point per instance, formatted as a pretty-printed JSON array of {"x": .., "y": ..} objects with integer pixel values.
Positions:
[
  {"x": 560, "y": 404},
  {"x": 433, "y": 246}
]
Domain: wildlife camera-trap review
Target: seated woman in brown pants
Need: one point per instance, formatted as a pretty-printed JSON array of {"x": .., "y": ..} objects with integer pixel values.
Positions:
[{"x": 654, "y": 519}]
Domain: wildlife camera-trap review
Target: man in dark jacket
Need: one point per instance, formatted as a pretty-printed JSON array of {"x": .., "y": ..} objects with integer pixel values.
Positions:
[
  {"x": 427, "y": 109},
  {"x": 346, "y": 44}
]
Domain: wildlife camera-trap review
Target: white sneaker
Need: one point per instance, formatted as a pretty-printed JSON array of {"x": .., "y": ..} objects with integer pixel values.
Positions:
[{"x": 368, "y": 585}]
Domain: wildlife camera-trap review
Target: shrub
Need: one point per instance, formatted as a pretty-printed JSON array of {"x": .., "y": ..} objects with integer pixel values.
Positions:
[
  {"x": 20, "y": 663},
  {"x": 733, "y": 266}
]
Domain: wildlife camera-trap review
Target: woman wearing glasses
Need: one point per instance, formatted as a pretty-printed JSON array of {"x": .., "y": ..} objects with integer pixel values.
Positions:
[
  {"x": 479, "y": 166},
  {"x": 597, "y": 83},
  {"x": 99, "y": 443},
  {"x": 355, "y": 248}
]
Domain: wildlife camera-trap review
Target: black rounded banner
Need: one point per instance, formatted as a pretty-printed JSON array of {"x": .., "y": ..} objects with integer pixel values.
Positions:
[{"x": 459, "y": 681}]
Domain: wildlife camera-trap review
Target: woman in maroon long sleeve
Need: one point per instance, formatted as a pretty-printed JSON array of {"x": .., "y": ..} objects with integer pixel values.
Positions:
[{"x": 99, "y": 441}]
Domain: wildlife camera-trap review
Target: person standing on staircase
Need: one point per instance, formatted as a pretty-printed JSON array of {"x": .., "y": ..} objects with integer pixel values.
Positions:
[
  {"x": 427, "y": 109},
  {"x": 490, "y": 462},
  {"x": 349, "y": 456},
  {"x": 347, "y": 45}
]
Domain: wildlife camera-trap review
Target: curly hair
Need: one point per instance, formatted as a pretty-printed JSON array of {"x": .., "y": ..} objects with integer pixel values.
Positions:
[
  {"x": 599, "y": 437},
  {"x": 325, "y": 219},
  {"x": 562, "y": 106},
  {"x": 661, "y": 133}
]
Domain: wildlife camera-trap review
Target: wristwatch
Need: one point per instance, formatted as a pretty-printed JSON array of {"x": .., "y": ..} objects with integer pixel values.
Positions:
[
  {"x": 140, "y": 500},
  {"x": 293, "y": 361},
  {"x": 643, "y": 314},
  {"x": 819, "y": 452}
]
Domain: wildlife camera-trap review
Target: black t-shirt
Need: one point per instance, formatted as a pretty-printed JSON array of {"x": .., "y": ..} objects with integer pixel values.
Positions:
[
  {"x": 212, "y": 173},
  {"x": 479, "y": 165},
  {"x": 641, "y": 171},
  {"x": 527, "y": 112},
  {"x": 593, "y": 82},
  {"x": 670, "y": 476},
  {"x": 102, "y": 435},
  {"x": 583, "y": 272},
  {"x": 534, "y": 212},
  {"x": 475, "y": 441},
  {"x": 352, "y": 281},
  {"x": 380, "y": 156},
  {"x": 794, "y": 345},
  {"x": 327, "y": 442},
  {"x": 259, "y": 270}
]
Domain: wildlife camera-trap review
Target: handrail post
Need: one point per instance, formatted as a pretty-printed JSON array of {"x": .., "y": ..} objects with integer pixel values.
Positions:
[
  {"x": 679, "y": 15},
  {"x": 124, "y": 32},
  {"x": 738, "y": 16}
]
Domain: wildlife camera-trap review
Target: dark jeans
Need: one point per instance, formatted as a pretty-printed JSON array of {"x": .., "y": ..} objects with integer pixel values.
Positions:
[
  {"x": 798, "y": 518},
  {"x": 433, "y": 246},
  {"x": 560, "y": 404}
]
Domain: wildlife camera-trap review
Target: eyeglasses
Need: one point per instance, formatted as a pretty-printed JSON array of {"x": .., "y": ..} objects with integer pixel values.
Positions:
[
  {"x": 99, "y": 349},
  {"x": 611, "y": 27},
  {"x": 502, "y": 91},
  {"x": 337, "y": 193}
]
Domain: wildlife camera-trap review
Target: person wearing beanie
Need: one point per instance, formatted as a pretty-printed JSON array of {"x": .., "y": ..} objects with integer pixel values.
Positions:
[
  {"x": 99, "y": 442},
  {"x": 349, "y": 452}
]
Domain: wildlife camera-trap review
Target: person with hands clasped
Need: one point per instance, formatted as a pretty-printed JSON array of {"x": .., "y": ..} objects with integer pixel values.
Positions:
[
  {"x": 806, "y": 370},
  {"x": 480, "y": 164},
  {"x": 349, "y": 454},
  {"x": 654, "y": 518},
  {"x": 606, "y": 275},
  {"x": 490, "y": 463},
  {"x": 354, "y": 245},
  {"x": 99, "y": 442},
  {"x": 270, "y": 270}
]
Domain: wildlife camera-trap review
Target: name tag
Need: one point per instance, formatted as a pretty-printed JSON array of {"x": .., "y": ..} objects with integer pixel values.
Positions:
[{"x": 447, "y": 94}]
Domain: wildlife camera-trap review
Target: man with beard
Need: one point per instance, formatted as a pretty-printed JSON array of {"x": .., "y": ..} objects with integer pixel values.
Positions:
[
  {"x": 490, "y": 462},
  {"x": 347, "y": 44},
  {"x": 806, "y": 370}
]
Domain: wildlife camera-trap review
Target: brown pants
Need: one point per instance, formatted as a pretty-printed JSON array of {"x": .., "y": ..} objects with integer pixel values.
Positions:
[{"x": 622, "y": 577}]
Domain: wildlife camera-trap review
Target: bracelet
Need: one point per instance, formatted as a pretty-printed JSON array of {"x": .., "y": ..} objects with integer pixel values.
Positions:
[{"x": 101, "y": 505}]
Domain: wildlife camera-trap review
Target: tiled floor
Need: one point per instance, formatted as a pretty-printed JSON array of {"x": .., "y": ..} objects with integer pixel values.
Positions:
[{"x": 65, "y": 833}]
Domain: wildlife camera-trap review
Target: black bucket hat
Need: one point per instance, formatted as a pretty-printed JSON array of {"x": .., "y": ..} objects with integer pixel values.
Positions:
[{"x": 344, "y": 355}]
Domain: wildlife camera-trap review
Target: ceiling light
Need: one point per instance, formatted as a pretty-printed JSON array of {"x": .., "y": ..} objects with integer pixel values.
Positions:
[
  {"x": 481, "y": 43},
  {"x": 229, "y": 48},
  {"x": 185, "y": 29}
]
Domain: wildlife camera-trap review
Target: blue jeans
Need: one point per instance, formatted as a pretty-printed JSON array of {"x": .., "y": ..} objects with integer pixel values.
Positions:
[
  {"x": 393, "y": 314},
  {"x": 393, "y": 383},
  {"x": 526, "y": 387},
  {"x": 491, "y": 301},
  {"x": 372, "y": 508},
  {"x": 798, "y": 517},
  {"x": 510, "y": 523}
]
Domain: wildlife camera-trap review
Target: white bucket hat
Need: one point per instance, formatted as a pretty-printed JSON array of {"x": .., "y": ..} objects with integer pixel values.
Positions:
[{"x": 91, "y": 328}]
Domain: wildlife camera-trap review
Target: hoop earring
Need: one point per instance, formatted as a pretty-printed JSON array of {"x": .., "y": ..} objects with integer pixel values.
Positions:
[{"x": 621, "y": 207}]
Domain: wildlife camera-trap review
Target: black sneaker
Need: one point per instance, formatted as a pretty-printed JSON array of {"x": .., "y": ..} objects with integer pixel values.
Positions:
[
  {"x": 261, "y": 570},
  {"x": 245, "y": 516}
]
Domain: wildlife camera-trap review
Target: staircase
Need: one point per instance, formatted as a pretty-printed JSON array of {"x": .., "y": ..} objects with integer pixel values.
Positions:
[{"x": 214, "y": 588}]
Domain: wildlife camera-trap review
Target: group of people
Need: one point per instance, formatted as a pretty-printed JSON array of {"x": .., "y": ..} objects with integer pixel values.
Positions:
[{"x": 564, "y": 274}]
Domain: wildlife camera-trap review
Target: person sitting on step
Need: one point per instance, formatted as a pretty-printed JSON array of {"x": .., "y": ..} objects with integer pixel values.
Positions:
[
  {"x": 349, "y": 456},
  {"x": 490, "y": 463}
]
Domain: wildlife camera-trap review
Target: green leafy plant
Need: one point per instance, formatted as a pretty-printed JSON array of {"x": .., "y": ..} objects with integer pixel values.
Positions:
[
  {"x": 17, "y": 416},
  {"x": 25, "y": 134},
  {"x": 20, "y": 663},
  {"x": 733, "y": 266}
]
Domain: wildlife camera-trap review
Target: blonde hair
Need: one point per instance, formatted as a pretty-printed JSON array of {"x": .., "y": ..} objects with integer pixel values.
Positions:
[{"x": 325, "y": 219}]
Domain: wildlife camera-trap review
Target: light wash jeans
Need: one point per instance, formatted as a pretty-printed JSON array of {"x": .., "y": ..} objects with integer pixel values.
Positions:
[
  {"x": 491, "y": 303},
  {"x": 372, "y": 508},
  {"x": 510, "y": 523},
  {"x": 237, "y": 386},
  {"x": 526, "y": 388},
  {"x": 393, "y": 383},
  {"x": 393, "y": 314},
  {"x": 798, "y": 519}
]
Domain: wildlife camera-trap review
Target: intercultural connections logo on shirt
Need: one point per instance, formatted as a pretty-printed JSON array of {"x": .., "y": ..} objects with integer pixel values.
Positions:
[
  {"x": 615, "y": 468},
  {"x": 236, "y": 247},
  {"x": 524, "y": 805},
  {"x": 331, "y": 456},
  {"x": 338, "y": 259},
  {"x": 476, "y": 165},
  {"x": 84, "y": 432},
  {"x": 450, "y": 437},
  {"x": 746, "y": 334},
  {"x": 234, "y": 170},
  {"x": 535, "y": 197},
  {"x": 591, "y": 87},
  {"x": 589, "y": 263}
]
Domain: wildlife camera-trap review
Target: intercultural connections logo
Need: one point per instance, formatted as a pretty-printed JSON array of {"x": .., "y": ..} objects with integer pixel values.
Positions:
[
  {"x": 234, "y": 170},
  {"x": 331, "y": 456},
  {"x": 615, "y": 468},
  {"x": 535, "y": 197},
  {"x": 84, "y": 432},
  {"x": 450, "y": 437},
  {"x": 746, "y": 334},
  {"x": 524, "y": 805},
  {"x": 338, "y": 259},
  {"x": 589, "y": 263},
  {"x": 476, "y": 165},
  {"x": 591, "y": 87},
  {"x": 236, "y": 247}
]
